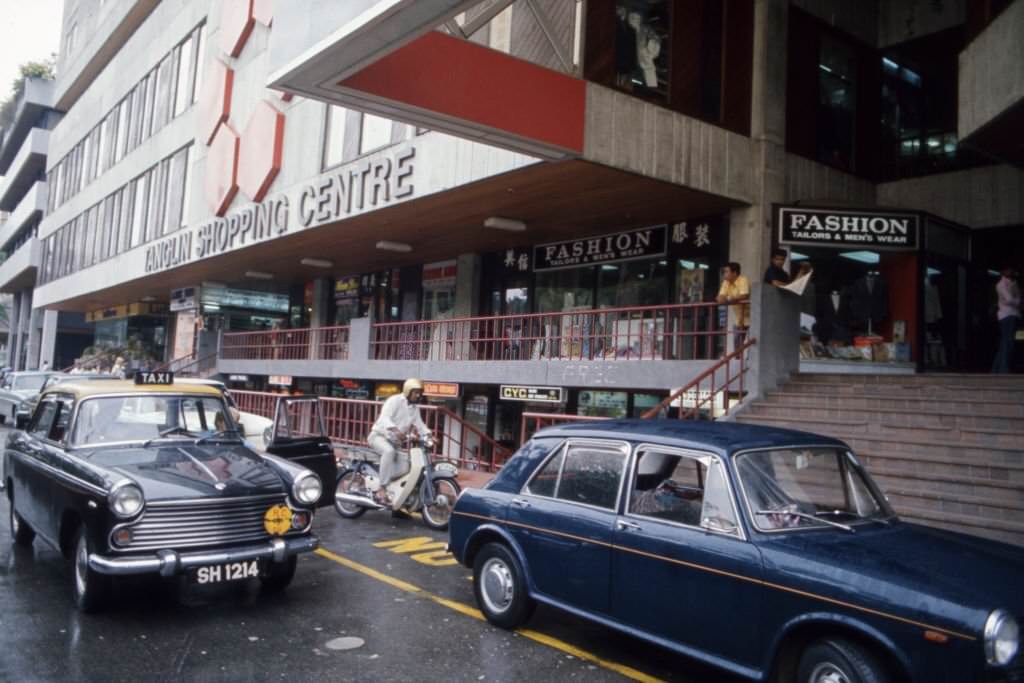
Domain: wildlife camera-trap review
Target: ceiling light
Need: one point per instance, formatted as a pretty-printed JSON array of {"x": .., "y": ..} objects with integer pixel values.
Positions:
[
  {"x": 387, "y": 245},
  {"x": 259, "y": 275},
  {"x": 147, "y": 299},
  {"x": 317, "y": 262},
  {"x": 862, "y": 256},
  {"x": 508, "y": 224}
]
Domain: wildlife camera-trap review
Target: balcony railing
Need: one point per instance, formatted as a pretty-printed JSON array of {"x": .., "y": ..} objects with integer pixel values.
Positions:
[
  {"x": 676, "y": 332},
  {"x": 348, "y": 422},
  {"x": 315, "y": 343}
]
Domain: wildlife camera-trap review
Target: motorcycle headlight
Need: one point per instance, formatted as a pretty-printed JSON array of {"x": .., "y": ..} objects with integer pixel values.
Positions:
[
  {"x": 307, "y": 488},
  {"x": 126, "y": 500},
  {"x": 1002, "y": 638}
]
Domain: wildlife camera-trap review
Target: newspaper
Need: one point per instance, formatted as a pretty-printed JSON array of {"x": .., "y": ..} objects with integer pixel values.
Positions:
[{"x": 798, "y": 285}]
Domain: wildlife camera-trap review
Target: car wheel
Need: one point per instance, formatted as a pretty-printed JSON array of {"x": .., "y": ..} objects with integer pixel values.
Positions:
[
  {"x": 436, "y": 513},
  {"x": 837, "y": 660},
  {"x": 21, "y": 532},
  {"x": 500, "y": 587},
  {"x": 279, "y": 575},
  {"x": 90, "y": 587},
  {"x": 349, "y": 481}
]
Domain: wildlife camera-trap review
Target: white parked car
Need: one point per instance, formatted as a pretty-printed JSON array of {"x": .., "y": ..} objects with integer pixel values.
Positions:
[{"x": 256, "y": 429}]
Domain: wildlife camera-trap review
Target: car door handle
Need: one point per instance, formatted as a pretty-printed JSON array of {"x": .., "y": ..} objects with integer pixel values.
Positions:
[
  {"x": 632, "y": 526},
  {"x": 521, "y": 502}
]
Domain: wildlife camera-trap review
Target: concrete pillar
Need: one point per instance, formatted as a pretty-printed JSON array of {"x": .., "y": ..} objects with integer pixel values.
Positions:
[
  {"x": 321, "y": 302},
  {"x": 24, "y": 317},
  {"x": 467, "y": 285},
  {"x": 750, "y": 227},
  {"x": 48, "y": 344},
  {"x": 35, "y": 334},
  {"x": 12, "y": 334}
]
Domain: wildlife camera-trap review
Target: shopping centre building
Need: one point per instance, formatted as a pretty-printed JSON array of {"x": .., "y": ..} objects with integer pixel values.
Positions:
[{"x": 529, "y": 203}]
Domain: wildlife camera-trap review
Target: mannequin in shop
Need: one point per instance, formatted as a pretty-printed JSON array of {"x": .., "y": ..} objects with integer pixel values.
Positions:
[
  {"x": 869, "y": 303},
  {"x": 935, "y": 347},
  {"x": 833, "y": 319}
]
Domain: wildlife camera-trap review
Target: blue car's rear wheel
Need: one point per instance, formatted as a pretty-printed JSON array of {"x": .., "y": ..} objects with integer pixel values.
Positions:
[{"x": 500, "y": 587}]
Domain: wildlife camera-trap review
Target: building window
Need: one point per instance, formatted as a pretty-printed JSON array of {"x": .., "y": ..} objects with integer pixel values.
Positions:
[
  {"x": 837, "y": 98},
  {"x": 71, "y": 40},
  {"x": 334, "y": 137},
  {"x": 376, "y": 133}
]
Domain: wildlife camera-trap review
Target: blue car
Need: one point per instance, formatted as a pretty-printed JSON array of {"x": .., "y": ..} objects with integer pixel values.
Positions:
[{"x": 767, "y": 552}]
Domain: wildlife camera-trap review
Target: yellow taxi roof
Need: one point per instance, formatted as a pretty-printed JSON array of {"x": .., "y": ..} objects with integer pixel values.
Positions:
[{"x": 99, "y": 387}]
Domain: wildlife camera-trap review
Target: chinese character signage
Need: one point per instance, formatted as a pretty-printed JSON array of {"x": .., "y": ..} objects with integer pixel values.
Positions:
[
  {"x": 622, "y": 246},
  {"x": 847, "y": 229}
]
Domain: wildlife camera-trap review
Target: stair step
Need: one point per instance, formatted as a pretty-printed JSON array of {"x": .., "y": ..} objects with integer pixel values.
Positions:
[
  {"x": 975, "y": 380},
  {"x": 941, "y": 482},
  {"x": 916, "y": 403},
  {"x": 979, "y": 506},
  {"x": 961, "y": 522},
  {"x": 1009, "y": 457},
  {"x": 892, "y": 417},
  {"x": 937, "y": 392}
]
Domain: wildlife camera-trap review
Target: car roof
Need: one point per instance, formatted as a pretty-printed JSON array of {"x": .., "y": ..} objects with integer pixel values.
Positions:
[
  {"x": 723, "y": 438},
  {"x": 23, "y": 373},
  {"x": 100, "y": 387}
]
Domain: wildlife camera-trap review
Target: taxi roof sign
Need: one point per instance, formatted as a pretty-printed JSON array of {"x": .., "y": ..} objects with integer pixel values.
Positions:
[{"x": 151, "y": 377}]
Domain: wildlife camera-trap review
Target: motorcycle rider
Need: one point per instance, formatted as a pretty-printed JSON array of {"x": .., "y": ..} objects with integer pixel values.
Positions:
[{"x": 398, "y": 417}]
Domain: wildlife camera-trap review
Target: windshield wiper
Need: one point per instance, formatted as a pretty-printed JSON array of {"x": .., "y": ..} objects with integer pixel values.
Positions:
[
  {"x": 887, "y": 521},
  {"x": 804, "y": 515},
  {"x": 233, "y": 433},
  {"x": 177, "y": 429}
]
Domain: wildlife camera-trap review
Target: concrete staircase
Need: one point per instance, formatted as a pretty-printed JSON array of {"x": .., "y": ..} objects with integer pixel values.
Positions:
[{"x": 947, "y": 450}]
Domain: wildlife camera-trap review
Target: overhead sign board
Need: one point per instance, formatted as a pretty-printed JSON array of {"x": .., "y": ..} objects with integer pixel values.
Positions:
[
  {"x": 621, "y": 246},
  {"x": 517, "y": 392},
  {"x": 441, "y": 389},
  {"x": 846, "y": 229},
  {"x": 280, "y": 380}
]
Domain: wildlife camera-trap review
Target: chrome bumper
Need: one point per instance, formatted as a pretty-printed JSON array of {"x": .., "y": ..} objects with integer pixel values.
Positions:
[{"x": 169, "y": 562}]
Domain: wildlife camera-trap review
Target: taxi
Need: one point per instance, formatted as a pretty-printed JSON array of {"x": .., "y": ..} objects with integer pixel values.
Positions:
[
  {"x": 152, "y": 477},
  {"x": 767, "y": 552}
]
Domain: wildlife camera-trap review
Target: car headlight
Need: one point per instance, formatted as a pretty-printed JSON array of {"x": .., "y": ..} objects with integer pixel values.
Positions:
[
  {"x": 126, "y": 500},
  {"x": 307, "y": 488},
  {"x": 1002, "y": 638}
]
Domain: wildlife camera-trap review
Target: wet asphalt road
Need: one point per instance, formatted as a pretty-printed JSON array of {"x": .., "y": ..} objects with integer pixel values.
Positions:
[{"x": 406, "y": 600}]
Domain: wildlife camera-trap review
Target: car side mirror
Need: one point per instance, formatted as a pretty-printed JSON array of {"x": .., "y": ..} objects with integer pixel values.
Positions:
[{"x": 21, "y": 421}]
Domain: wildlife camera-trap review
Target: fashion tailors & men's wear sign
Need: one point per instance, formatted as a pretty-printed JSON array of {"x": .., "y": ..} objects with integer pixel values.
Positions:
[
  {"x": 621, "y": 246},
  {"x": 847, "y": 228}
]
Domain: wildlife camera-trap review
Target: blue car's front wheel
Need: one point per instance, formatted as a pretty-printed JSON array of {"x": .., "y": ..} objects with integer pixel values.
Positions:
[
  {"x": 500, "y": 587},
  {"x": 838, "y": 660}
]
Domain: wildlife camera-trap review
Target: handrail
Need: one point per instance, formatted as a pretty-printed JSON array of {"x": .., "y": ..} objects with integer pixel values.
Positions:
[
  {"x": 166, "y": 366},
  {"x": 496, "y": 448},
  {"x": 197, "y": 362},
  {"x": 292, "y": 343},
  {"x": 541, "y": 420},
  {"x": 694, "y": 412}
]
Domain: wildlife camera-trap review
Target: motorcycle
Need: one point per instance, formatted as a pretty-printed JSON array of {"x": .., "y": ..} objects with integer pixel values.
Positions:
[{"x": 426, "y": 487}]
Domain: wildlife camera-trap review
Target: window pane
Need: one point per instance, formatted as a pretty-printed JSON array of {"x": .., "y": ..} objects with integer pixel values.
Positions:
[
  {"x": 334, "y": 138},
  {"x": 200, "y": 62},
  {"x": 376, "y": 133},
  {"x": 140, "y": 186},
  {"x": 164, "y": 90},
  {"x": 175, "y": 191},
  {"x": 591, "y": 476},
  {"x": 545, "y": 481},
  {"x": 183, "y": 94}
]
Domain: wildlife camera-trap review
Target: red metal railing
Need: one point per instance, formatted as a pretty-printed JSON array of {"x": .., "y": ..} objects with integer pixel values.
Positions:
[
  {"x": 348, "y": 421},
  {"x": 676, "y": 332},
  {"x": 190, "y": 365},
  {"x": 710, "y": 395},
  {"x": 533, "y": 422},
  {"x": 310, "y": 343}
]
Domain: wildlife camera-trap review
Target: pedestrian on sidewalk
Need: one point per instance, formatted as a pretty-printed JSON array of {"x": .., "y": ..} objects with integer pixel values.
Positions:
[
  {"x": 776, "y": 273},
  {"x": 735, "y": 291},
  {"x": 1008, "y": 314}
]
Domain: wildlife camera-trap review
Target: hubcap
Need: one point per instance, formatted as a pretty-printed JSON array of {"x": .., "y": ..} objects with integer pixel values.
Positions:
[
  {"x": 81, "y": 566},
  {"x": 440, "y": 509},
  {"x": 348, "y": 485},
  {"x": 827, "y": 672},
  {"x": 15, "y": 524},
  {"x": 496, "y": 586}
]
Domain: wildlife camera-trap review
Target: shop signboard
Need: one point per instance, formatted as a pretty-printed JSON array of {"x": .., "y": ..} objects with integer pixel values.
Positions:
[
  {"x": 280, "y": 380},
  {"x": 184, "y": 299},
  {"x": 386, "y": 389},
  {"x": 702, "y": 399},
  {"x": 238, "y": 378},
  {"x": 125, "y": 311},
  {"x": 441, "y": 389},
  {"x": 629, "y": 245},
  {"x": 217, "y": 295},
  {"x": 842, "y": 228},
  {"x": 531, "y": 394},
  {"x": 346, "y": 288},
  {"x": 353, "y": 389}
]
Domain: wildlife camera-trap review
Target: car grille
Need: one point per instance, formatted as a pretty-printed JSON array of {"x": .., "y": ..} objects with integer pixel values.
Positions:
[{"x": 193, "y": 524}]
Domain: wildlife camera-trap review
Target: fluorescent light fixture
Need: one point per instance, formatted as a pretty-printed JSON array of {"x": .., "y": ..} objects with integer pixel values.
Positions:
[
  {"x": 317, "y": 262},
  {"x": 797, "y": 256},
  {"x": 995, "y": 273},
  {"x": 387, "y": 245},
  {"x": 508, "y": 224},
  {"x": 259, "y": 275},
  {"x": 608, "y": 267},
  {"x": 211, "y": 307},
  {"x": 934, "y": 271},
  {"x": 862, "y": 256},
  {"x": 147, "y": 299}
]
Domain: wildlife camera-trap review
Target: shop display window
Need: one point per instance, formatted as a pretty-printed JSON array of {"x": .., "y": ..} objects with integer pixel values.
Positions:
[
  {"x": 611, "y": 404},
  {"x": 642, "y": 47},
  {"x": 565, "y": 290},
  {"x": 633, "y": 283}
]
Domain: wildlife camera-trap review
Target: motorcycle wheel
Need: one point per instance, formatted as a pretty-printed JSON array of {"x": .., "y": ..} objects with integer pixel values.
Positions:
[
  {"x": 349, "y": 481},
  {"x": 437, "y": 512}
]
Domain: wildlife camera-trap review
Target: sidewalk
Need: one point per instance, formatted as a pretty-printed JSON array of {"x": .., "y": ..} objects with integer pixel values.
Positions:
[{"x": 474, "y": 479}]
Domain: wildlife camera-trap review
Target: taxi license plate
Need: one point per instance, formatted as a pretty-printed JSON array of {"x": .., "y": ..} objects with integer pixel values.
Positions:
[{"x": 222, "y": 573}]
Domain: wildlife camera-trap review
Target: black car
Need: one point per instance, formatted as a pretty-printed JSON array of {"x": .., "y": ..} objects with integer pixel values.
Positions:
[{"x": 128, "y": 478}]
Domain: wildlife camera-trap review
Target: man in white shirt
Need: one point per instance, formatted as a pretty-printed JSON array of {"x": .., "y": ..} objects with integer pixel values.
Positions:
[
  {"x": 1008, "y": 313},
  {"x": 398, "y": 417}
]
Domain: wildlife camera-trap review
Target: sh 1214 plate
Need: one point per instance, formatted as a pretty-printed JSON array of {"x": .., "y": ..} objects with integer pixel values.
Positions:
[{"x": 221, "y": 573}]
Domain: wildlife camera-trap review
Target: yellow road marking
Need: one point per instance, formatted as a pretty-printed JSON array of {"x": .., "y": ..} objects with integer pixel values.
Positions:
[
  {"x": 469, "y": 611},
  {"x": 422, "y": 549}
]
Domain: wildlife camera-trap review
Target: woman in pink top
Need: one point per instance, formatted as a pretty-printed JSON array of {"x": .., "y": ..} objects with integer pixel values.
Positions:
[{"x": 1008, "y": 313}]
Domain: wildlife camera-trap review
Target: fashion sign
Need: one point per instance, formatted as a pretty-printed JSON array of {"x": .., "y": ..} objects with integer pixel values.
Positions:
[
  {"x": 843, "y": 228},
  {"x": 621, "y": 246}
]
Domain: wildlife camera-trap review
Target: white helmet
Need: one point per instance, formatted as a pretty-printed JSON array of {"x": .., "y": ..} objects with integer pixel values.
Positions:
[{"x": 410, "y": 385}]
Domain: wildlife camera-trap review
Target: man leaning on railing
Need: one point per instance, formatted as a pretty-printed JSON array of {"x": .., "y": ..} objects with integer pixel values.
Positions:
[{"x": 735, "y": 291}]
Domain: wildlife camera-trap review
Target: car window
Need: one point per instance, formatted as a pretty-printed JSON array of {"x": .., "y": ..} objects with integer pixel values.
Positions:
[
  {"x": 672, "y": 489},
  {"x": 591, "y": 475},
  {"x": 43, "y": 420},
  {"x": 139, "y": 418},
  {"x": 545, "y": 481},
  {"x": 63, "y": 419},
  {"x": 718, "y": 513},
  {"x": 26, "y": 382}
]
